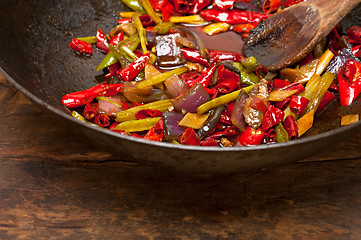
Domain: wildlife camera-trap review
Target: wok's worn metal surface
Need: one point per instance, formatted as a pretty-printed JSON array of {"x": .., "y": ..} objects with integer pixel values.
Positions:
[{"x": 57, "y": 186}]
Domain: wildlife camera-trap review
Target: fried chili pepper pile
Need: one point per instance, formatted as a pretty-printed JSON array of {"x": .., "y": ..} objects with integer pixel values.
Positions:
[{"x": 166, "y": 86}]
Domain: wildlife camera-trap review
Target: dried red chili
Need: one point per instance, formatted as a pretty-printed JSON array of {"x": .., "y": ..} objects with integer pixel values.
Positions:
[
  {"x": 298, "y": 104},
  {"x": 224, "y": 5},
  {"x": 81, "y": 46},
  {"x": 289, "y": 3},
  {"x": 326, "y": 99},
  {"x": 132, "y": 70},
  {"x": 80, "y": 98},
  {"x": 147, "y": 113},
  {"x": 102, "y": 120},
  {"x": 354, "y": 33},
  {"x": 210, "y": 142},
  {"x": 272, "y": 116},
  {"x": 227, "y": 86},
  {"x": 349, "y": 82},
  {"x": 194, "y": 56},
  {"x": 216, "y": 56},
  {"x": 271, "y": 6},
  {"x": 280, "y": 83},
  {"x": 189, "y": 137},
  {"x": 234, "y": 16},
  {"x": 204, "y": 79},
  {"x": 251, "y": 137},
  {"x": 156, "y": 133},
  {"x": 91, "y": 110},
  {"x": 290, "y": 126},
  {"x": 102, "y": 41},
  {"x": 271, "y": 135}
]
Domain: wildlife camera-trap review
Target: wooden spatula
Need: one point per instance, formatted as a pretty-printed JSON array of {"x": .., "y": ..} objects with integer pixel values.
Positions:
[{"x": 286, "y": 37}]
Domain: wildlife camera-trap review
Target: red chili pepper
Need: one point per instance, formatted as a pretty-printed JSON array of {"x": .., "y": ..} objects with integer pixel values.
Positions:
[
  {"x": 261, "y": 71},
  {"x": 102, "y": 41},
  {"x": 271, "y": 6},
  {"x": 168, "y": 10},
  {"x": 295, "y": 86},
  {"x": 258, "y": 104},
  {"x": 216, "y": 56},
  {"x": 291, "y": 127},
  {"x": 279, "y": 83},
  {"x": 102, "y": 120},
  {"x": 234, "y": 16},
  {"x": 147, "y": 113},
  {"x": 212, "y": 92},
  {"x": 244, "y": 27},
  {"x": 354, "y": 33},
  {"x": 272, "y": 116},
  {"x": 282, "y": 104},
  {"x": 229, "y": 109},
  {"x": 91, "y": 110},
  {"x": 199, "y": 5},
  {"x": 227, "y": 86},
  {"x": 204, "y": 79},
  {"x": 113, "y": 69},
  {"x": 349, "y": 82},
  {"x": 326, "y": 99},
  {"x": 271, "y": 135},
  {"x": 298, "y": 104},
  {"x": 192, "y": 55},
  {"x": 189, "y": 137},
  {"x": 132, "y": 70},
  {"x": 113, "y": 125},
  {"x": 228, "y": 132},
  {"x": 158, "y": 5},
  {"x": 146, "y": 20},
  {"x": 224, "y": 5},
  {"x": 117, "y": 38},
  {"x": 80, "y": 98},
  {"x": 210, "y": 142},
  {"x": 334, "y": 43},
  {"x": 289, "y": 3},
  {"x": 223, "y": 74},
  {"x": 156, "y": 133},
  {"x": 251, "y": 137},
  {"x": 225, "y": 119},
  {"x": 81, "y": 46}
]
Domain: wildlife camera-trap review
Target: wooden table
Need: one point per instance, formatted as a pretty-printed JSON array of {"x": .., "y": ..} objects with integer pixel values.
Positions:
[{"x": 57, "y": 186}]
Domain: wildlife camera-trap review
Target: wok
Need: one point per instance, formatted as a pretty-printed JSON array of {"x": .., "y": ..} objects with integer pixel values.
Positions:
[{"x": 35, "y": 58}]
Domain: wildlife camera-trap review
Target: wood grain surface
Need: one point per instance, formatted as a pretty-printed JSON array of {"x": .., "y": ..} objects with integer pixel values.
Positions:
[{"x": 54, "y": 185}]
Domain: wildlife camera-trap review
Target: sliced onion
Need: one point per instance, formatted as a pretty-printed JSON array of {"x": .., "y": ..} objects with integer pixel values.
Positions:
[
  {"x": 131, "y": 88},
  {"x": 343, "y": 56},
  {"x": 109, "y": 105},
  {"x": 192, "y": 99},
  {"x": 156, "y": 95},
  {"x": 237, "y": 117},
  {"x": 171, "y": 128},
  {"x": 175, "y": 86}
]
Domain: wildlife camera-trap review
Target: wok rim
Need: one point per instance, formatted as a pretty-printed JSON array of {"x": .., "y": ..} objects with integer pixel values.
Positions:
[{"x": 66, "y": 116}]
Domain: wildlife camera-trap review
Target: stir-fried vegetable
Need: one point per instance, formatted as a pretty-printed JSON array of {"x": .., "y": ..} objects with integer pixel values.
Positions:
[{"x": 165, "y": 85}]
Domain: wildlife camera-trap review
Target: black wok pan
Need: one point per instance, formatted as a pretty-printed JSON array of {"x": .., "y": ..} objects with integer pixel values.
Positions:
[{"x": 35, "y": 58}]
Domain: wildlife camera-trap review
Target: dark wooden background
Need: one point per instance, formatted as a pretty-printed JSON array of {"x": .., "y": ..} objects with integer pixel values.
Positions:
[{"x": 54, "y": 185}]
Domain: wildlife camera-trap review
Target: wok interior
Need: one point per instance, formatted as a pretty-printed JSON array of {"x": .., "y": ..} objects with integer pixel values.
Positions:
[{"x": 34, "y": 49}]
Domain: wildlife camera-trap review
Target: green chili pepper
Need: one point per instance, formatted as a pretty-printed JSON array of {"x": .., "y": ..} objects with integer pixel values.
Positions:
[
  {"x": 108, "y": 60},
  {"x": 248, "y": 78},
  {"x": 164, "y": 27},
  {"x": 248, "y": 62},
  {"x": 134, "y": 5},
  {"x": 137, "y": 125},
  {"x": 91, "y": 39},
  {"x": 282, "y": 135}
]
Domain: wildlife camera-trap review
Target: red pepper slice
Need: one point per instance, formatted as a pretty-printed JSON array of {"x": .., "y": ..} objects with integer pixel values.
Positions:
[
  {"x": 326, "y": 99},
  {"x": 102, "y": 120},
  {"x": 192, "y": 55},
  {"x": 357, "y": 51},
  {"x": 204, "y": 79},
  {"x": 251, "y": 137},
  {"x": 291, "y": 127},
  {"x": 148, "y": 113},
  {"x": 223, "y": 74},
  {"x": 282, "y": 104},
  {"x": 80, "y": 98},
  {"x": 113, "y": 69},
  {"x": 295, "y": 86},
  {"x": 349, "y": 82},
  {"x": 216, "y": 56},
  {"x": 199, "y": 5},
  {"x": 224, "y": 5},
  {"x": 298, "y": 104},
  {"x": 102, "y": 41},
  {"x": 280, "y": 83},
  {"x": 132, "y": 70},
  {"x": 81, "y": 46},
  {"x": 228, "y": 132},
  {"x": 271, "y": 6},
  {"x": 156, "y": 133},
  {"x": 234, "y": 16},
  {"x": 91, "y": 110},
  {"x": 158, "y": 5},
  {"x": 227, "y": 86},
  {"x": 117, "y": 38},
  {"x": 189, "y": 137},
  {"x": 258, "y": 104},
  {"x": 307, "y": 59},
  {"x": 271, "y": 135},
  {"x": 272, "y": 116},
  {"x": 243, "y": 27},
  {"x": 210, "y": 142}
]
